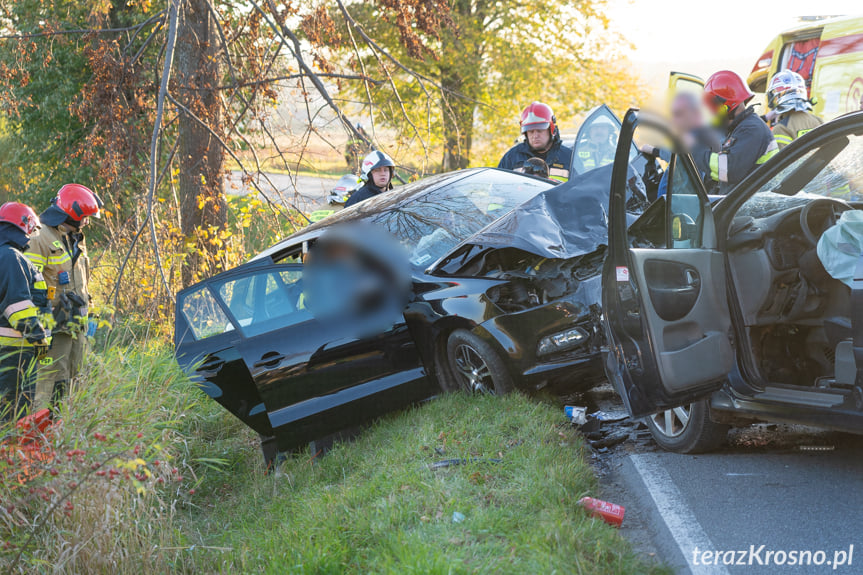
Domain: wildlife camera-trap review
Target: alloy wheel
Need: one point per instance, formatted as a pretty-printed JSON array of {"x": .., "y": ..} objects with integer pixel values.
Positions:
[
  {"x": 672, "y": 422},
  {"x": 472, "y": 371}
]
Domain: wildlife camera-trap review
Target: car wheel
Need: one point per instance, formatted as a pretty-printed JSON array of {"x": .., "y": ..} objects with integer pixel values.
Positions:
[
  {"x": 687, "y": 429},
  {"x": 475, "y": 366}
]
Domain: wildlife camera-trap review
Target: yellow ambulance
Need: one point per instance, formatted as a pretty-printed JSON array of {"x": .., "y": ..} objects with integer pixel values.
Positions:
[{"x": 828, "y": 53}]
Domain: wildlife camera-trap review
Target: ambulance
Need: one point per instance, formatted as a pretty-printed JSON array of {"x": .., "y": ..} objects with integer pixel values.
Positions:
[{"x": 828, "y": 53}]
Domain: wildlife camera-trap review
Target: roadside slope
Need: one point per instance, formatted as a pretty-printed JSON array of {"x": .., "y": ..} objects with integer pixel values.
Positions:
[{"x": 374, "y": 505}]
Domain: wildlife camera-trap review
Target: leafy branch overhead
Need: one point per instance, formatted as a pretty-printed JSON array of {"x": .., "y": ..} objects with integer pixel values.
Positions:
[{"x": 257, "y": 87}]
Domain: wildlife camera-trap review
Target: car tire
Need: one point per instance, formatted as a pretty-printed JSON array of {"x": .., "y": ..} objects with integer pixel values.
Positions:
[
  {"x": 687, "y": 429},
  {"x": 474, "y": 366}
]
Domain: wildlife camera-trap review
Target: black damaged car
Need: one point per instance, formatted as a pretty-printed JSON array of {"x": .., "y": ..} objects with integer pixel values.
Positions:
[{"x": 504, "y": 292}]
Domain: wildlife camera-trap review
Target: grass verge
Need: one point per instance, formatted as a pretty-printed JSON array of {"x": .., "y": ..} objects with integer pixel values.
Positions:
[
  {"x": 149, "y": 476},
  {"x": 374, "y": 505}
]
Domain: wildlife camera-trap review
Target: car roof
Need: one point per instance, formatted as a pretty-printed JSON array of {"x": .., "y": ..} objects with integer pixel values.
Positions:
[{"x": 373, "y": 206}]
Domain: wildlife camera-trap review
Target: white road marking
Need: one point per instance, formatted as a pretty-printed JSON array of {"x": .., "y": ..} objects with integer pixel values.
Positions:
[{"x": 681, "y": 522}]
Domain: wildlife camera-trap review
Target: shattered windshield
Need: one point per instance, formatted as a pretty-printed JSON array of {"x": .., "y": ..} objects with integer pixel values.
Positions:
[
  {"x": 434, "y": 223},
  {"x": 821, "y": 172}
]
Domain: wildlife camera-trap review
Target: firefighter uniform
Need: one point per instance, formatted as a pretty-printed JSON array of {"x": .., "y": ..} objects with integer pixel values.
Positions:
[
  {"x": 748, "y": 144},
  {"x": 558, "y": 158},
  {"x": 791, "y": 125},
  {"x": 22, "y": 299},
  {"x": 592, "y": 156},
  {"x": 62, "y": 258}
]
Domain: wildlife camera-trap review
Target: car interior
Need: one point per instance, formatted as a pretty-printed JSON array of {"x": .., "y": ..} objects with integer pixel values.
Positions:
[
  {"x": 796, "y": 315},
  {"x": 264, "y": 300}
]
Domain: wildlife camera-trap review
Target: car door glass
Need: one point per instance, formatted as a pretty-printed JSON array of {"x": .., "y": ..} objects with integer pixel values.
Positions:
[
  {"x": 265, "y": 300},
  {"x": 834, "y": 170},
  {"x": 686, "y": 208},
  {"x": 204, "y": 314},
  {"x": 597, "y": 141}
]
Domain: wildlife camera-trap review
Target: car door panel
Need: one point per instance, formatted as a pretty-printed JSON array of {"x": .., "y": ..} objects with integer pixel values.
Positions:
[
  {"x": 206, "y": 347},
  {"x": 667, "y": 320},
  {"x": 693, "y": 347},
  {"x": 306, "y": 369},
  {"x": 684, "y": 82}
]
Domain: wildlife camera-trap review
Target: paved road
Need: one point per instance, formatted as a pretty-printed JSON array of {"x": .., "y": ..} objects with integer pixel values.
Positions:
[
  {"x": 309, "y": 194},
  {"x": 766, "y": 488}
]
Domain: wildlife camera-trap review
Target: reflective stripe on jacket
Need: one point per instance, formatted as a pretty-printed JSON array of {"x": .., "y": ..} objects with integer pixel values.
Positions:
[
  {"x": 22, "y": 289},
  {"x": 792, "y": 125},
  {"x": 54, "y": 252},
  {"x": 748, "y": 144}
]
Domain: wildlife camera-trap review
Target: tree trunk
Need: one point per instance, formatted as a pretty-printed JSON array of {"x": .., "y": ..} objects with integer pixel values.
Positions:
[
  {"x": 457, "y": 122},
  {"x": 203, "y": 208}
]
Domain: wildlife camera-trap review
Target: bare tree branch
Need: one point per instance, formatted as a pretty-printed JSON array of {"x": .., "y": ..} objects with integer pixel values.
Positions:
[{"x": 173, "y": 16}]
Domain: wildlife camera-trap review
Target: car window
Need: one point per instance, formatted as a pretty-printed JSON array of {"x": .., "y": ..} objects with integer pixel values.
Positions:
[
  {"x": 686, "y": 207},
  {"x": 833, "y": 170},
  {"x": 597, "y": 141},
  {"x": 265, "y": 300},
  {"x": 434, "y": 223},
  {"x": 203, "y": 314}
]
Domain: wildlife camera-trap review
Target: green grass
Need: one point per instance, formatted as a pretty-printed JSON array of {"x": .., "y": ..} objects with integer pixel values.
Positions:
[
  {"x": 369, "y": 506},
  {"x": 374, "y": 506}
]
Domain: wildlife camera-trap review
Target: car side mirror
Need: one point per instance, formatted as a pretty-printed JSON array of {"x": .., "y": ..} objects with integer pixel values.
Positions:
[{"x": 683, "y": 227}]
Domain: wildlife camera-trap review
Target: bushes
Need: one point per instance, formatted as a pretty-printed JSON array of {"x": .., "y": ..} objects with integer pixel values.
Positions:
[{"x": 121, "y": 470}]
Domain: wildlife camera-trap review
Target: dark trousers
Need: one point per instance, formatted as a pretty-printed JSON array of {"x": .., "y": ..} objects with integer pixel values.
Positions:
[{"x": 17, "y": 381}]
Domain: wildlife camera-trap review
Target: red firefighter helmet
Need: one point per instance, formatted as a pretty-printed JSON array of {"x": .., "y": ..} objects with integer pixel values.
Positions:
[
  {"x": 724, "y": 91},
  {"x": 538, "y": 116},
  {"x": 20, "y": 215},
  {"x": 78, "y": 202}
]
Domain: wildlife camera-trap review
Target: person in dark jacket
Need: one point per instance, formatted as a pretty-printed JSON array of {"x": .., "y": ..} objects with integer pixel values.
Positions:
[
  {"x": 541, "y": 140},
  {"x": 377, "y": 173},
  {"x": 23, "y": 297},
  {"x": 747, "y": 143}
]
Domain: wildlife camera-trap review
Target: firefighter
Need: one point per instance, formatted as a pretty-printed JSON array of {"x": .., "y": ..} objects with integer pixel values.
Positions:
[
  {"x": 600, "y": 146},
  {"x": 377, "y": 173},
  {"x": 788, "y": 100},
  {"x": 23, "y": 337},
  {"x": 59, "y": 252},
  {"x": 747, "y": 141},
  {"x": 541, "y": 140}
]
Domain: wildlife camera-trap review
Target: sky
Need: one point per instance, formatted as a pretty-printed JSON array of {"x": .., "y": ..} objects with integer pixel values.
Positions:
[{"x": 697, "y": 35}]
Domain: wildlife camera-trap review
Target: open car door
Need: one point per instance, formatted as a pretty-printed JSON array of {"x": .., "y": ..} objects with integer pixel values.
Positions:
[
  {"x": 683, "y": 82},
  {"x": 283, "y": 370},
  {"x": 596, "y": 142},
  {"x": 664, "y": 293}
]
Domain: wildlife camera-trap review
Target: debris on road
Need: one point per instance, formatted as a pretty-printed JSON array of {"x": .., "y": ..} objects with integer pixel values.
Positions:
[
  {"x": 609, "y": 417},
  {"x": 610, "y": 440},
  {"x": 611, "y": 513},
  {"x": 816, "y": 447},
  {"x": 576, "y": 414}
]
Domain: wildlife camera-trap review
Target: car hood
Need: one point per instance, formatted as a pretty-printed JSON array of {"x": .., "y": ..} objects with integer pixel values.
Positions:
[{"x": 563, "y": 222}]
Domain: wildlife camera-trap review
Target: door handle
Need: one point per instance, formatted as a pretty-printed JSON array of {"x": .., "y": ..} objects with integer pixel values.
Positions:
[
  {"x": 692, "y": 279},
  {"x": 212, "y": 365},
  {"x": 270, "y": 359}
]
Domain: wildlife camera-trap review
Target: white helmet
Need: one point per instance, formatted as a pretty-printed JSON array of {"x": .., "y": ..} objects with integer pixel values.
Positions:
[
  {"x": 376, "y": 159},
  {"x": 788, "y": 92}
]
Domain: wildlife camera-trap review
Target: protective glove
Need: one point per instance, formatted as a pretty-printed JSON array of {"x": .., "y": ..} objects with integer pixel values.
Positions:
[
  {"x": 42, "y": 347},
  {"x": 62, "y": 312},
  {"x": 32, "y": 330}
]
